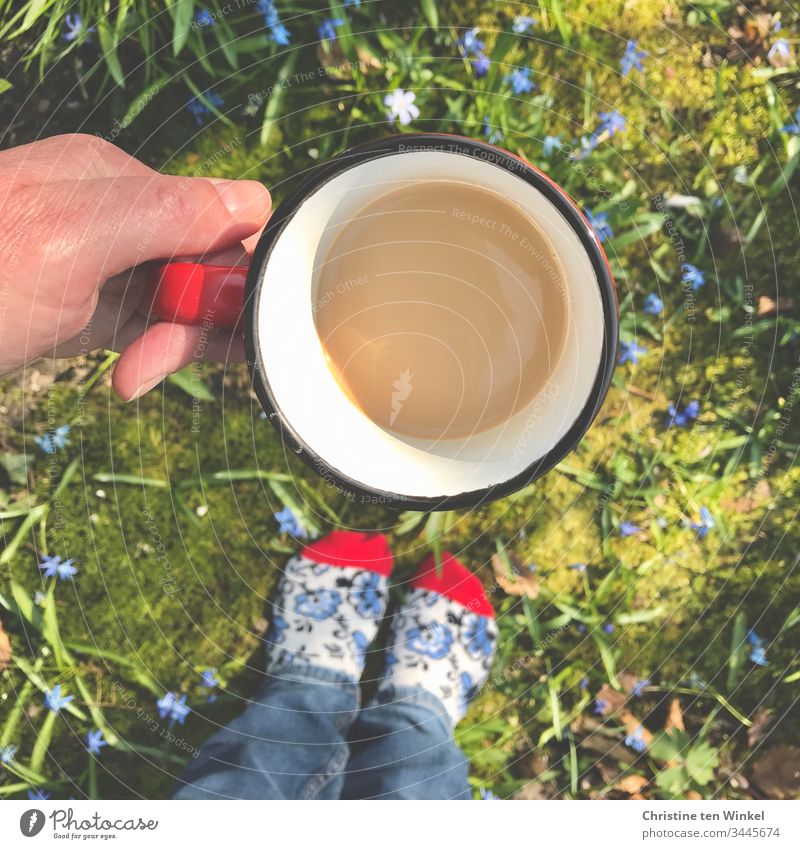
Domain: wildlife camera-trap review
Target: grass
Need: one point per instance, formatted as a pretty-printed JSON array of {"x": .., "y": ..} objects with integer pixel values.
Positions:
[{"x": 173, "y": 531}]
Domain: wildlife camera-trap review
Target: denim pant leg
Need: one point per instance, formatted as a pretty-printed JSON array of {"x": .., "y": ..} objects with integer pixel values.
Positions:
[
  {"x": 290, "y": 742},
  {"x": 402, "y": 747}
]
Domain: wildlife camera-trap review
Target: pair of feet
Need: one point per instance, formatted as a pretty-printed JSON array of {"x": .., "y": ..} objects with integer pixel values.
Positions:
[{"x": 334, "y": 594}]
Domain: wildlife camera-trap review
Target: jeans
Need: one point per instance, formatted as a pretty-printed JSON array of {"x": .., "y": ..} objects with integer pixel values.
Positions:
[{"x": 304, "y": 737}]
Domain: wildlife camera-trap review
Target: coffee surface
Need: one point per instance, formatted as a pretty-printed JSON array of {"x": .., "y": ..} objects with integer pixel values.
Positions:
[{"x": 441, "y": 310}]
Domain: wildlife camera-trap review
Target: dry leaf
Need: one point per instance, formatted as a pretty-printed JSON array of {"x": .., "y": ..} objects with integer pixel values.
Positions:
[
  {"x": 5, "y": 648},
  {"x": 610, "y": 700},
  {"x": 632, "y": 784},
  {"x": 762, "y": 720},
  {"x": 777, "y": 772},
  {"x": 693, "y": 796},
  {"x": 674, "y": 716},
  {"x": 522, "y": 581},
  {"x": 769, "y": 306},
  {"x": 606, "y": 747}
]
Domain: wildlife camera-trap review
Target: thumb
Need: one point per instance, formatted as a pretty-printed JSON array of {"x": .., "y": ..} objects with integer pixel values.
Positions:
[{"x": 120, "y": 222}]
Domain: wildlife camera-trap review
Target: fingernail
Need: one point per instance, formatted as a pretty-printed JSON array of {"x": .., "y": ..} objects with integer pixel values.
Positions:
[
  {"x": 245, "y": 200},
  {"x": 144, "y": 388}
]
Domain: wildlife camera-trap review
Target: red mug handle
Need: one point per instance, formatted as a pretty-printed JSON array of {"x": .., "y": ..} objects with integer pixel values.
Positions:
[{"x": 193, "y": 293}]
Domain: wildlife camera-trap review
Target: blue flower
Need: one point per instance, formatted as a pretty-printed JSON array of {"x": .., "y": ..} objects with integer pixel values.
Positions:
[
  {"x": 588, "y": 144},
  {"x": 681, "y": 418},
  {"x": 581, "y": 628},
  {"x": 693, "y": 276},
  {"x": 8, "y": 753},
  {"x": 95, "y": 741},
  {"x": 289, "y": 524},
  {"x": 628, "y": 529},
  {"x": 608, "y": 628},
  {"x": 638, "y": 686},
  {"x": 53, "y": 566},
  {"x": 360, "y": 643},
  {"x": 38, "y": 795},
  {"x": 631, "y": 58},
  {"x": 54, "y": 701},
  {"x": 705, "y": 524},
  {"x": 73, "y": 27},
  {"x": 629, "y": 352},
  {"x": 550, "y": 145},
  {"x": 780, "y": 50},
  {"x": 653, "y": 304},
  {"x": 577, "y": 567},
  {"x": 478, "y": 636},
  {"x": 600, "y": 705},
  {"x": 599, "y": 223},
  {"x": 173, "y": 708},
  {"x": 523, "y": 24},
  {"x": 611, "y": 122},
  {"x": 356, "y": 3},
  {"x": 433, "y": 640},
  {"x": 51, "y": 441},
  {"x": 520, "y": 81},
  {"x": 493, "y": 135},
  {"x": 276, "y": 628},
  {"x": 278, "y": 32},
  {"x": 317, "y": 604},
  {"x": 198, "y": 109},
  {"x": 208, "y": 678},
  {"x": 469, "y": 44},
  {"x": 487, "y": 795},
  {"x": 635, "y": 740},
  {"x": 584, "y": 683},
  {"x": 366, "y": 595},
  {"x": 794, "y": 127},
  {"x": 481, "y": 65},
  {"x": 327, "y": 29},
  {"x": 204, "y": 18},
  {"x": 758, "y": 653}
]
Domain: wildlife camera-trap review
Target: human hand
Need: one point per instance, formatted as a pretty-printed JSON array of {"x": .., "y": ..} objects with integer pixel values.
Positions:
[{"x": 78, "y": 218}]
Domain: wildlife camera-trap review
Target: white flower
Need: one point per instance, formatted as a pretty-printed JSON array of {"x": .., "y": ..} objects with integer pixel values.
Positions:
[{"x": 401, "y": 106}]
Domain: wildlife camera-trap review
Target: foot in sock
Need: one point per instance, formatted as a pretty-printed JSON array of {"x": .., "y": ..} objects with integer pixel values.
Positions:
[
  {"x": 443, "y": 638},
  {"x": 330, "y": 602}
]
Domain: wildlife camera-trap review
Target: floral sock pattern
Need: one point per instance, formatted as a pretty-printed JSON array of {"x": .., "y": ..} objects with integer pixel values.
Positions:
[
  {"x": 329, "y": 603},
  {"x": 443, "y": 638}
]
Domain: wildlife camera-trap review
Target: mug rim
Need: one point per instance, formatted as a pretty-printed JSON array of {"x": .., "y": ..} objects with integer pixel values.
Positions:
[{"x": 493, "y": 155}]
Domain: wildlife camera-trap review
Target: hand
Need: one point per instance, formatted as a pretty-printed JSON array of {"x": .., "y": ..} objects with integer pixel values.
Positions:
[{"x": 78, "y": 217}]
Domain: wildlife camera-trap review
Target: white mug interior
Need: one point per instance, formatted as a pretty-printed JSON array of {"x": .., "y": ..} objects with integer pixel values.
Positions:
[{"x": 334, "y": 429}]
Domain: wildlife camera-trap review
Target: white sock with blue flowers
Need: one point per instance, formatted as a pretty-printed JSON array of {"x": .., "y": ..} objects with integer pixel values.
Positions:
[
  {"x": 444, "y": 637},
  {"x": 329, "y": 603}
]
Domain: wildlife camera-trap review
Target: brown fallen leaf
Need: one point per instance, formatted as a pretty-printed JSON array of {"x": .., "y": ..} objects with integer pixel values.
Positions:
[
  {"x": 762, "y": 719},
  {"x": 609, "y": 700},
  {"x": 768, "y": 306},
  {"x": 521, "y": 582},
  {"x": 5, "y": 648},
  {"x": 674, "y": 716},
  {"x": 693, "y": 796},
  {"x": 777, "y": 772},
  {"x": 632, "y": 784}
]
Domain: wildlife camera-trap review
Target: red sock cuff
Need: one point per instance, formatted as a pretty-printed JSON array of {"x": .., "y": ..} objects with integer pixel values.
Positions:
[
  {"x": 352, "y": 548},
  {"x": 454, "y": 581}
]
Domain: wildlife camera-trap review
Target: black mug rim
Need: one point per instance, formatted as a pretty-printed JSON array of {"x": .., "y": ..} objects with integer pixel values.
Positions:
[{"x": 391, "y": 146}]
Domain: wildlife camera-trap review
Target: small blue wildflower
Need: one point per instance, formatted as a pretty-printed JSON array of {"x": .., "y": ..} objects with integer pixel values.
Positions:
[
  {"x": 173, "y": 708},
  {"x": 777, "y": 26},
  {"x": 638, "y": 686},
  {"x": 584, "y": 683},
  {"x": 480, "y": 65},
  {"x": 628, "y": 529},
  {"x": 289, "y": 524},
  {"x": 53, "y": 566},
  {"x": 95, "y": 741},
  {"x": 577, "y": 567},
  {"x": 73, "y": 27},
  {"x": 705, "y": 524},
  {"x": 612, "y": 122},
  {"x": 8, "y": 753},
  {"x": 401, "y": 107},
  {"x": 327, "y": 29},
  {"x": 581, "y": 628},
  {"x": 588, "y": 144},
  {"x": 208, "y": 678},
  {"x": 520, "y": 81},
  {"x": 681, "y": 418},
  {"x": 599, "y": 223},
  {"x": 494, "y": 136},
  {"x": 487, "y": 795},
  {"x": 635, "y": 740},
  {"x": 469, "y": 44},
  {"x": 630, "y": 352},
  {"x": 278, "y": 32},
  {"x": 51, "y": 441},
  {"x": 653, "y": 304},
  {"x": 204, "y": 18},
  {"x": 600, "y": 705},
  {"x": 780, "y": 50},
  {"x": 198, "y": 109},
  {"x": 38, "y": 795},
  {"x": 631, "y": 58},
  {"x": 523, "y": 24},
  {"x": 758, "y": 653},
  {"x": 693, "y": 276},
  {"x": 608, "y": 628},
  {"x": 550, "y": 145},
  {"x": 54, "y": 701},
  {"x": 794, "y": 127}
]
